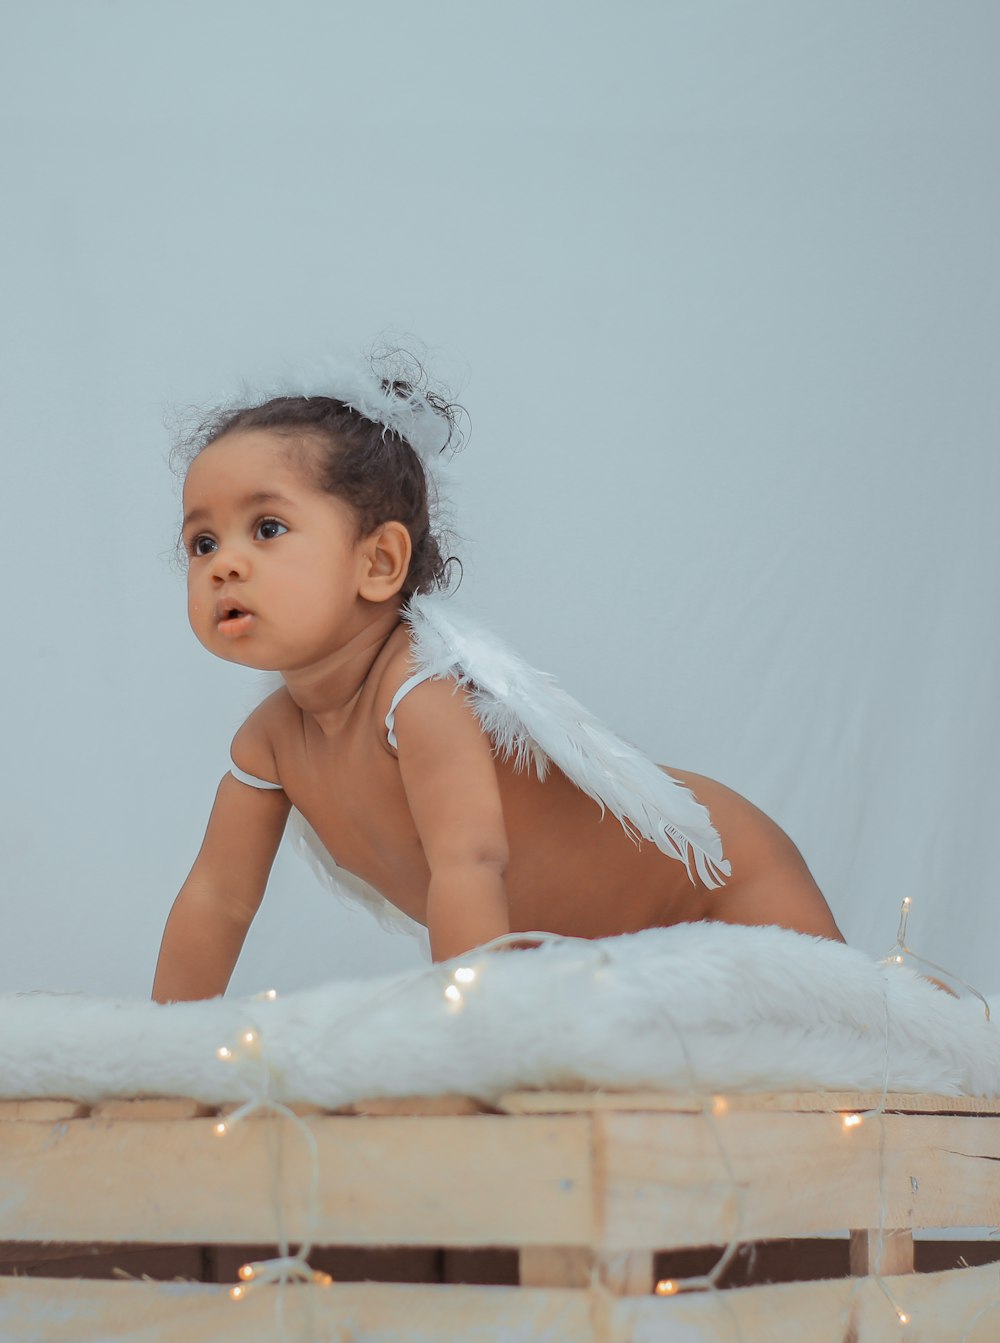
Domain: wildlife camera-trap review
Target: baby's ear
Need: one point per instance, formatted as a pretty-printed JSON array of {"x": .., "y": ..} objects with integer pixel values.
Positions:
[{"x": 387, "y": 555}]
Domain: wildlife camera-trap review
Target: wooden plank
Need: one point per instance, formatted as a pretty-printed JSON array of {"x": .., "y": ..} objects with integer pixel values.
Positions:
[
  {"x": 941, "y": 1308},
  {"x": 423, "y": 1180},
  {"x": 41, "y": 1111},
  {"x": 627, "y": 1273},
  {"x": 623, "y": 1274},
  {"x": 555, "y": 1266},
  {"x": 155, "y": 1108},
  {"x": 609, "y": 1181},
  {"x": 959, "y": 1306},
  {"x": 677, "y": 1180},
  {"x": 801, "y": 1102},
  {"x": 888, "y": 1254},
  {"x": 89, "y": 1312}
]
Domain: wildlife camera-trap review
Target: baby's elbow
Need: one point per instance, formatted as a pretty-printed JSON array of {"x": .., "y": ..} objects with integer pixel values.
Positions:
[{"x": 486, "y": 859}]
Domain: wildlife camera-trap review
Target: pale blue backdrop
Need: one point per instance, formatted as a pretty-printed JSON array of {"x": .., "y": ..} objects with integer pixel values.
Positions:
[{"x": 717, "y": 283}]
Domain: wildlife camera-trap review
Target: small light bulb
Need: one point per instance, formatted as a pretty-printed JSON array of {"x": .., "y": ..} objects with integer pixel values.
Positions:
[
  {"x": 465, "y": 974},
  {"x": 248, "y": 1272},
  {"x": 220, "y": 1129},
  {"x": 249, "y": 1037},
  {"x": 902, "y": 1317},
  {"x": 907, "y": 901},
  {"x": 323, "y": 1279},
  {"x": 237, "y": 1293},
  {"x": 666, "y": 1287},
  {"x": 453, "y": 994},
  {"x": 898, "y": 960},
  {"x": 720, "y": 1105},
  {"x": 270, "y": 995},
  {"x": 223, "y": 1052},
  {"x": 850, "y": 1121}
]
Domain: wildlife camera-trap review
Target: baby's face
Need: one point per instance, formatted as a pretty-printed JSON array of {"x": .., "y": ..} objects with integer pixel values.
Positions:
[{"x": 274, "y": 564}]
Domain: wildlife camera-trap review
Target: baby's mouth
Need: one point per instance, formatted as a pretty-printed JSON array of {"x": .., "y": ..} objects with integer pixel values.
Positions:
[{"x": 233, "y": 618}]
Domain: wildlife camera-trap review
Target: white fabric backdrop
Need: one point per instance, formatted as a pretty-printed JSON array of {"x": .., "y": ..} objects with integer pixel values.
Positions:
[{"x": 718, "y": 286}]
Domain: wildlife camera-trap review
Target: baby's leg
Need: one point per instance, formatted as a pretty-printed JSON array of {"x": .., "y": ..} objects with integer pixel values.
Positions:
[
  {"x": 770, "y": 882},
  {"x": 784, "y": 895}
]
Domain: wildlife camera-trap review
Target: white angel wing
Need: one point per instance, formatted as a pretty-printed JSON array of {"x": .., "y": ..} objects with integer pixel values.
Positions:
[
  {"x": 346, "y": 886},
  {"x": 530, "y": 718}
]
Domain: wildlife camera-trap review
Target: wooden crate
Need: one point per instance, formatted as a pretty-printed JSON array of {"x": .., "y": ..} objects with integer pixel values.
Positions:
[{"x": 589, "y": 1194}]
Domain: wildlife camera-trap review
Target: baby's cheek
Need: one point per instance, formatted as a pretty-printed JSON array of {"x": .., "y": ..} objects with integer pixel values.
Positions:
[{"x": 197, "y": 611}]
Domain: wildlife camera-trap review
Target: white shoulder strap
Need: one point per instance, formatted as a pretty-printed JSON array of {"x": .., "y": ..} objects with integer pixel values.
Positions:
[
  {"x": 250, "y": 779},
  {"x": 404, "y": 689}
]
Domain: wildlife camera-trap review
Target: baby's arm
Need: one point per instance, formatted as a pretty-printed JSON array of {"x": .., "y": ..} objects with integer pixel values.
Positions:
[
  {"x": 216, "y": 905},
  {"x": 446, "y": 764}
]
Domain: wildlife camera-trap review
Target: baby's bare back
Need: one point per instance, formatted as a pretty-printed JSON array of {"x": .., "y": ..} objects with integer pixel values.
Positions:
[{"x": 570, "y": 870}]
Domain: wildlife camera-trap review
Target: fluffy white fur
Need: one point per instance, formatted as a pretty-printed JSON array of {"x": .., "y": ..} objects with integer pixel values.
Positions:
[
  {"x": 357, "y": 381},
  {"x": 700, "y": 1006}
]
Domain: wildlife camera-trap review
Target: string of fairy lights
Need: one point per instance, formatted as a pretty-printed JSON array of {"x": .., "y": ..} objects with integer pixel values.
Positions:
[{"x": 248, "y": 1054}]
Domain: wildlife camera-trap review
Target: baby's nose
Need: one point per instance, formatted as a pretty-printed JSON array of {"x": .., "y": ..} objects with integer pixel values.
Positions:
[{"x": 228, "y": 562}]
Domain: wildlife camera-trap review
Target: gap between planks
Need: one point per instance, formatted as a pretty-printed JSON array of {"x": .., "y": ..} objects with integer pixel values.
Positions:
[
  {"x": 518, "y": 1103},
  {"x": 797, "y": 1102}
]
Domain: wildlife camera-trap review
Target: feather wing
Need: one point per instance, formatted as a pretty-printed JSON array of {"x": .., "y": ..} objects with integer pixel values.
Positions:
[
  {"x": 533, "y": 721},
  {"x": 347, "y": 887}
]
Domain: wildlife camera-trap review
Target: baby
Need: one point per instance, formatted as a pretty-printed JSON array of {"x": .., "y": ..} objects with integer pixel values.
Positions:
[{"x": 309, "y": 542}]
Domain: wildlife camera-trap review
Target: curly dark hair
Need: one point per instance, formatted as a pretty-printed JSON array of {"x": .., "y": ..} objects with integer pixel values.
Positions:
[{"x": 372, "y": 468}]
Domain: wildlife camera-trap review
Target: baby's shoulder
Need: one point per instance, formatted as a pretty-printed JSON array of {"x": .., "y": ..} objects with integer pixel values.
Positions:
[
  {"x": 253, "y": 748},
  {"x": 396, "y": 666}
]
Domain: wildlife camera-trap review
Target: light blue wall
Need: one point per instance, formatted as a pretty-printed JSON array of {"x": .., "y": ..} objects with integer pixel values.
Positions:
[{"x": 717, "y": 283}]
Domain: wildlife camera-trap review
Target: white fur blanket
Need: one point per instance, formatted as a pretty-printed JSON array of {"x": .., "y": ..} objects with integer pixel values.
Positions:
[{"x": 706, "y": 1007}]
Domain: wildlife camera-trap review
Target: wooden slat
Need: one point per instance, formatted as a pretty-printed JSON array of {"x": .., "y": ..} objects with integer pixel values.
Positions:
[
  {"x": 555, "y": 1266},
  {"x": 465, "y": 1180},
  {"x": 941, "y": 1308},
  {"x": 380, "y": 1312},
  {"x": 622, "y": 1274},
  {"x": 610, "y": 1181},
  {"x": 802, "y": 1102},
  {"x": 627, "y": 1273},
  {"x": 662, "y": 1180},
  {"x": 41, "y": 1111},
  {"x": 893, "y": 1256}
]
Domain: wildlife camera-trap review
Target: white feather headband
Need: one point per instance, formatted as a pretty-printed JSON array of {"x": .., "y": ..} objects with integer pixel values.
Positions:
[{"x": 357, "y": 384}]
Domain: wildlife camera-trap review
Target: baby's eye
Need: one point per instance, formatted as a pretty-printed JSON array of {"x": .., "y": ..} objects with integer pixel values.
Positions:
[
  {"x": 268, "y": 529},
  {"x": 202, "y": 545}
]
